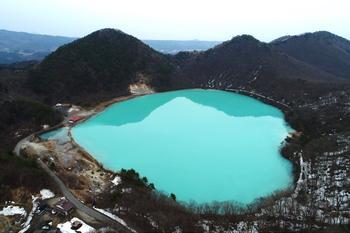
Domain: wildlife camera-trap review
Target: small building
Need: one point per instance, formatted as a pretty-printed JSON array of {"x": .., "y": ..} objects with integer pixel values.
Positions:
[
  {"x": 64, "y": 207},
  {"x": 75, "y": 119}
]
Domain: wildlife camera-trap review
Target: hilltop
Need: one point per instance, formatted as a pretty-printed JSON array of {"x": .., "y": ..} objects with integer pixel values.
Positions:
[
  {"x": 23, "y": 46},
  {"x": 98, "y": 67},
  {"x": 244, "y": 62},
  {"x": 105, "y": 63},
  {"x": 323, "y": 50}
]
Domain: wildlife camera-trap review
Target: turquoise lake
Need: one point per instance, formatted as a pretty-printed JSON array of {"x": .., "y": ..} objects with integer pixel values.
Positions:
[{"x": 201, "y": 145}]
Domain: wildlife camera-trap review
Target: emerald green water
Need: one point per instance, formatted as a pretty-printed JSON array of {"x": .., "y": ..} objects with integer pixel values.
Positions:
[{"x": 201, "y": 145}]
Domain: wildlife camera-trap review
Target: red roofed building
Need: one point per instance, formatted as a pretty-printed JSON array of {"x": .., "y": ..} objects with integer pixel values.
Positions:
[{"x": 75, "y": 119}]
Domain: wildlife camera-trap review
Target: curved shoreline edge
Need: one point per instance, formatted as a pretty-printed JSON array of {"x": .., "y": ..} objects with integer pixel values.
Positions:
[{"x": 296, "y": 167}]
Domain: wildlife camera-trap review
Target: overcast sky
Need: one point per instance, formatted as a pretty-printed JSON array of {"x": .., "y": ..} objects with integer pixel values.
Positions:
[{"x": 178, "y": 19}]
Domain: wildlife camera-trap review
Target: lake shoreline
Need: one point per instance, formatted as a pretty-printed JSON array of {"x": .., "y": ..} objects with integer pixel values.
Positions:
[{"x": 104, "y": 105}]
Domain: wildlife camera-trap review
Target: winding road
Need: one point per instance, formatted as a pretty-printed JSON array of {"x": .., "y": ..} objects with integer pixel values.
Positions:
[
  {"x": 81, "y": 206},
  {"x": 19, "y": 145},
  {"x": 67, "y": 193}
]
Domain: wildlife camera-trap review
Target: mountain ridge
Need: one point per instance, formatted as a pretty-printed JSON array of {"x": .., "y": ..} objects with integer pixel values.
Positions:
[
  {"x": 322, "y": 49},
  {"x": 104, "y": 63},
  {"x": 23, "y": 46}
]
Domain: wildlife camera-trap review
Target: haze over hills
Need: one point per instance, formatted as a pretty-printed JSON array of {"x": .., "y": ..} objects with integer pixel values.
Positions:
[
  {"x": 22, "y": 46},
  {"x": 175, "y": 46}
]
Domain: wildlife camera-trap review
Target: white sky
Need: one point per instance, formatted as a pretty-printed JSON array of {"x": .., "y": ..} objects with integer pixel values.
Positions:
[{"x": 178, "y": 19}]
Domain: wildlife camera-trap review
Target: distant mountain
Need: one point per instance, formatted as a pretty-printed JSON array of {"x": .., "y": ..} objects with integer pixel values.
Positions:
[
  {"x": 103, "y": 64},
  {"x": 175, "y": 46},
  {"x": 323, "y": 50},
  {"x": 22, "y": 46},
  {"x": 97, "y": 67}
]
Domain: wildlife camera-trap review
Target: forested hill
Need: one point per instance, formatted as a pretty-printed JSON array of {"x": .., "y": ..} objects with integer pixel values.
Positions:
[
  {"x": 245, "y": 62},
  {"x": 97, "y": 67},
  {"x": 324, "y": 50},
  {"x": 23, "y": 46},
  {"x": 103, "y": 64}
]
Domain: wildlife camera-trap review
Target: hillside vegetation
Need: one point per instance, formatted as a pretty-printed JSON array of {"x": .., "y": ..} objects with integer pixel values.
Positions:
[
  {"x": 98, "y": 67},
  {"x": 323, "y": 50},
  {"x": 22, "y": 46}
]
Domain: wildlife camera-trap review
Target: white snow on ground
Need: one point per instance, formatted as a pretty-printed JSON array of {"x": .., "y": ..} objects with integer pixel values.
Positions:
[
  {"x": 10, "y": 202},
  {"x": 177, "y": 230},
  {"x": 26, "y": 225},
  {"x": 115, "y": 217},
  {"x": 13, "y": 210},
  {"x": 46, "y": 194},
  {"x": 66, "y": 227},
  {"x": 116, "y": 180},
  {"x": 152, "y": 222},
  {"x": 303, "y": 172}
]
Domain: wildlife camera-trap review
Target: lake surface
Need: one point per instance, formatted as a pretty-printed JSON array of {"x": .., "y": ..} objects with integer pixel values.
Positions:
[{"x": 201, "y": 145}]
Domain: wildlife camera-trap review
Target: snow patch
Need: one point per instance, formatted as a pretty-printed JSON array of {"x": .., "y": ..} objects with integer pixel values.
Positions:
[
  {"x": 13, "y": 210},
  {"x": 46, "y": 194},
  {"x": 152, "y": 222},
  {"x": 115, "y": 217},
  {"x": 26, "y": 225},
  {"x": 66, "y": 227},
  {"x": 117, "y": 180},
  {"x": 177, "y": 230}
]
